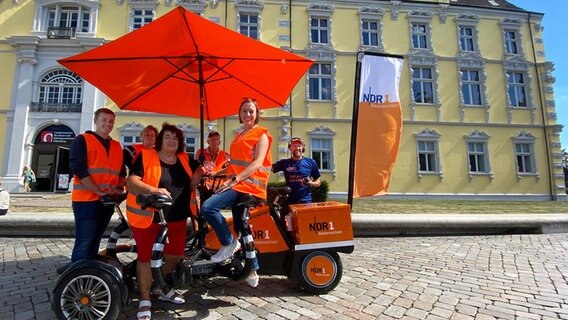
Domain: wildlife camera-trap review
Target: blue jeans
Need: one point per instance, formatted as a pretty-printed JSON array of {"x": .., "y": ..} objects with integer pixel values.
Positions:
[
  {"x": 211, "y": 210},
  {"x": 91, "y": 221}
]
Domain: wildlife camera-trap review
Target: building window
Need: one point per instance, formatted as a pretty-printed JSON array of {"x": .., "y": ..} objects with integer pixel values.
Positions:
[
  {"x": 467, "y": 42},
  {"x": 322, "y": 151},
  {"x": 320, "y": 81},
  {"x": 525, "y": 156},
  {"x": 319, "y": 30},
  {"x": 517, "y": 89},
  {"x": 419, "y": 36},
  {"x": 370, "y": 33},
  {"x": 471, "y": 87},
  {"x": 59, "y": 91},
  {"x": 191, "y": 145},
  {"x": 141, "y": 17},
  {"x": 69, "y": 17},
  {"x": 511, "y": 31},
  {"x": 248, "y": 25},
  {"x": 511, "y": 42},
  {"x": 129, "y": 140},
  {"x": 422, "y": 85},
  {"x": 130, "y": 133},
  {"x": 191, "y": 138},
  {"x": 428, "y": 156},
  {"x": 477, "y": 154}
]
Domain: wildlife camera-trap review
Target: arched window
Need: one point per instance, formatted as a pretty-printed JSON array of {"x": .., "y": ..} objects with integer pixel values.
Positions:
[{"x": 59, "y": 91}]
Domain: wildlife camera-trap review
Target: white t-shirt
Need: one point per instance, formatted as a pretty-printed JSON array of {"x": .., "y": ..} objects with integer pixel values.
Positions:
[{"x": 4, "y": 199}]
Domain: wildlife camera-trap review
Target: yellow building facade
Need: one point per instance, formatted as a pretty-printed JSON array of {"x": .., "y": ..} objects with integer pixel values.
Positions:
[{"x": 476, "y": 90}]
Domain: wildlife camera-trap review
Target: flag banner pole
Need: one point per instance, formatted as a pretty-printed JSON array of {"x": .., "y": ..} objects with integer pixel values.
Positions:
[
  {"x": 354, "y": 130},
  {"x": 377, "y": 124}
]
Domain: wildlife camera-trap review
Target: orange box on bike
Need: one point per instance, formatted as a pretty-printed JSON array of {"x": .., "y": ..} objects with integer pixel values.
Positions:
[{"x": 321, "y": 222}]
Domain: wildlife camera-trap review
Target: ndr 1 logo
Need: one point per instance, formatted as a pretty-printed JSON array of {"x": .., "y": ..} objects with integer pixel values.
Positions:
[{"x": 375, "y": 98}]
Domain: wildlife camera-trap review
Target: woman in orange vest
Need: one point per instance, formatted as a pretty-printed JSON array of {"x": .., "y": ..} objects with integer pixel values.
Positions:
[
  {"x": 165, "y": 170},
  {"x": 147, "y": 141},
  {"x": 249, "y": 168},
  {"x": 96, "y": 162}
]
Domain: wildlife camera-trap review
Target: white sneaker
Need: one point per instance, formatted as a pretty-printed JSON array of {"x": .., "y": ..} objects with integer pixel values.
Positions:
[{"x": 226, "y": 252}]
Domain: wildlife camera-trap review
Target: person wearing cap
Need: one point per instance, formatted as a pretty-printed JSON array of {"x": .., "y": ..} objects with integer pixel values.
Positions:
[
  {"x": 4, "y": 200},
  {"x": 301, "y": 173},
  {"x": 214, "y": 157}
]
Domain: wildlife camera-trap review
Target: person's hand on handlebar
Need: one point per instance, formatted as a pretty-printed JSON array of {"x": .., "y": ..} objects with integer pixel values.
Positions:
[
  {"x": 162, "y": 191},
  {"x": 228, "y": 184}
]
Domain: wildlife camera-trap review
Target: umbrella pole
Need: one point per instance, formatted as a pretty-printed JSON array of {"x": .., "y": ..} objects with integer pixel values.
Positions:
[{"x": 201, "y": 109}]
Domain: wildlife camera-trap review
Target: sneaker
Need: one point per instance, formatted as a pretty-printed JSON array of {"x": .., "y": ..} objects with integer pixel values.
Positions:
[
  {"x": 252, "y": 279},
  {"x": 226, "y": 252}
]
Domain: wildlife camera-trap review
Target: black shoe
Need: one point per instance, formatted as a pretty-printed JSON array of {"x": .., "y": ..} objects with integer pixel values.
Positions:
[{"x": 63, "y": 268}]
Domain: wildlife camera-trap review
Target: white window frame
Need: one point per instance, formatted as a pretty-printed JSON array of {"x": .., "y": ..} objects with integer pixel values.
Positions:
[
  {"x": 189, "y": 132},
  {"x": 250, "y": 8},
  {"x": 59, "y": 90},
  {"x": 320, "y": 11},
  {"x": 478, "y": 138},
  {"x": 323, "y": 133},
  {"x": 422, "y": 81},
  {"x": 525, "y": 139},
  {"x": 140, "y": 17},
  {"x": 130, "y": 131},
  {"x": 420, "y": 17},
  {"x": 512, "y": 26},
  {"x": 315, "y": 75},
  {"x": 514, "y": 87},
  {"x": 469, "y": 83},
  {"x": 468, "y": 21},
  {"x": 431, "y": 137},
  {"x": 424, "y": 59},
  {"x": 371, "y": 15},
  {"x": 43, "y": 7},
  {"x": 150, "y": 5}
]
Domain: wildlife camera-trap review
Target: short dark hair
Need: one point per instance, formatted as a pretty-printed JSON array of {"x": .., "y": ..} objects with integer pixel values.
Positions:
[
  {"x": 175, "y": 130},
  {"x": 104, "y": 110}
]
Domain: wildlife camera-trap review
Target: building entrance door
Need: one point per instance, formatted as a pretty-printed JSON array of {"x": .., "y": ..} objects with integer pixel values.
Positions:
[{"x": 50, "y": 160}]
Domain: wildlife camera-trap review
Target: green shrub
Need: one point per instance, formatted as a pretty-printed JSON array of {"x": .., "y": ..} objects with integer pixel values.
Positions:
[{"x": 319, "y": 194}]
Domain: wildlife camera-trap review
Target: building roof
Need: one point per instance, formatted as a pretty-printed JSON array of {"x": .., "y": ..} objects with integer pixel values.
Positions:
[{"x": 497, "y": 4}]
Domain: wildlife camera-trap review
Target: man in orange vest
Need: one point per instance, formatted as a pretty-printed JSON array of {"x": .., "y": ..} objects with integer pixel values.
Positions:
[
  {"x": 214, "y": 157},
  {"x": 97, "y": 165}
]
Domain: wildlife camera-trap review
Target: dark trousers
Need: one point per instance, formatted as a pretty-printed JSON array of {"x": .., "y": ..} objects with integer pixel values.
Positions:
[{"x": 91, "y": 221}]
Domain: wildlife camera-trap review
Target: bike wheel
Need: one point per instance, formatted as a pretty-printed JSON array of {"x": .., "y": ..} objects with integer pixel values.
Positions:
[
  {"x": 320, "y": 272},
  {"x": 87, "y": 293}
]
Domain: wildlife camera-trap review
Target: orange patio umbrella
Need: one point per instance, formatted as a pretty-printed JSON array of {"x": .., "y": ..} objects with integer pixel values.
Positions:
[{"x": 186, "y": 65}]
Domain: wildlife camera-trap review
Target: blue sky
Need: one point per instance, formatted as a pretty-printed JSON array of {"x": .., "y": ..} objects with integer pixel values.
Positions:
[{"x": 555, "y": 47}]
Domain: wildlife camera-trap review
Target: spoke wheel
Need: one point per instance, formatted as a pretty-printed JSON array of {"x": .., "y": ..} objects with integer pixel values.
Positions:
[{"x": 87, "y": 294}]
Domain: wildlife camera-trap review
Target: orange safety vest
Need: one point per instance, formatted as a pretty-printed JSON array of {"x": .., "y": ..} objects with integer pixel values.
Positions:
[
  {"x": 243, "y": 148},
  {"x": 152, "y": 173},
  {"x": 220, "y": 160},
  {"x": 137, "y": 149},
  {"x": 104, "y": 168}
]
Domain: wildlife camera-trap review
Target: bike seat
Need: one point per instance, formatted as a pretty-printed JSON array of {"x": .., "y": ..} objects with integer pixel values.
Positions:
[
  {"x": 279, "y": 190},
  {"x": 153, "y": 200},
  {"x": 113, "y": 199}
]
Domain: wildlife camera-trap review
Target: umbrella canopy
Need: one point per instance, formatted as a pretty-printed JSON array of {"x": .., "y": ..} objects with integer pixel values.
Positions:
[{"x": 186, "y": 65}]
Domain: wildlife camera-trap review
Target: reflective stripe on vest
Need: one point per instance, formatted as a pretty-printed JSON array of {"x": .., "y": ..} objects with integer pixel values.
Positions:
[
  {"x": 103, "y": 167},
  {"x": 242, "y": 155},
  {"x": 136, "y": 216}
]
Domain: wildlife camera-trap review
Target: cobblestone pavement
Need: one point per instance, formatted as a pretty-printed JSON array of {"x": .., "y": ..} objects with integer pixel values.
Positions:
[{"x": 481, "y": 277}]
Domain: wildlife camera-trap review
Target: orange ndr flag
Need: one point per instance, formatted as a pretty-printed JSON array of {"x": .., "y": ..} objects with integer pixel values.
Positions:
[{"x": 379, "y": 124}]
